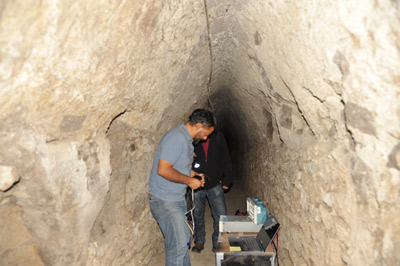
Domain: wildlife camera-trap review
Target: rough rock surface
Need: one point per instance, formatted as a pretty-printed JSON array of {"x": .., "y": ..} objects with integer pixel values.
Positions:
[{"x": 308, "y": 94}]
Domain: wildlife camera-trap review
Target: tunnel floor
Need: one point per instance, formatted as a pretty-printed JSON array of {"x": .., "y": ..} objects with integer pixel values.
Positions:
[{"x": 235, "y": 199}]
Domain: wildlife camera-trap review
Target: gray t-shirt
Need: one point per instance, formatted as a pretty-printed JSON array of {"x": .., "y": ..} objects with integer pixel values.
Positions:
[{"x": 175, "y": 147}]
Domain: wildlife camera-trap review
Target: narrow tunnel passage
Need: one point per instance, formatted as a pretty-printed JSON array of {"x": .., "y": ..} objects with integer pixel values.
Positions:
[{"x": 306, "y": 93}]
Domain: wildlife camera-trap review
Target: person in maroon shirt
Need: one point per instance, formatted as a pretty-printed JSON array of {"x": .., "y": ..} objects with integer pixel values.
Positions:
[{"x": 211, "y": 158}]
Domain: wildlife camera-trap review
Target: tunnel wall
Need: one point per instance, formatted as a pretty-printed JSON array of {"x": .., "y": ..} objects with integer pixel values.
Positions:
[
  {"x": 308, "y": 91},
  {"x": 311, "y": 94},
  {"x": 87, "y": 90}
]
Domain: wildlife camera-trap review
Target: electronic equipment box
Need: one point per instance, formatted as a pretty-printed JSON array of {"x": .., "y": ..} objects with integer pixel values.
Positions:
[
  {"x": 256, "y": 210},
  {"x": 237, "y": 224}
]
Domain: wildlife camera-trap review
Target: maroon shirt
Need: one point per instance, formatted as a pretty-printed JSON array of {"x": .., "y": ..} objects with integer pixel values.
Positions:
[{"x": 205, "y": 146}]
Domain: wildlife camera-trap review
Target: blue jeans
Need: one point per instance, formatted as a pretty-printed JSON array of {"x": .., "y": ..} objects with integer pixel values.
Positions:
[
  {"x": 216, "y": 199},
  {"x": 170, "y": 216}
]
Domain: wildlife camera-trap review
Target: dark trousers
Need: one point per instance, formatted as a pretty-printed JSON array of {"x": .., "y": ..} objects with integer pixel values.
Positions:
[{"x": 216, "y": 199}]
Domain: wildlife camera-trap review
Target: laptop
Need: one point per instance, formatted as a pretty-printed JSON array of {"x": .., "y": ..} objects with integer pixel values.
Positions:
[{"x": 257, "y": 243}]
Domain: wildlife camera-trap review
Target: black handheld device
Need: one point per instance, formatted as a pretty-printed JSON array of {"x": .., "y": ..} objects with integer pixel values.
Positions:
[{"x": 197, "y": 177}]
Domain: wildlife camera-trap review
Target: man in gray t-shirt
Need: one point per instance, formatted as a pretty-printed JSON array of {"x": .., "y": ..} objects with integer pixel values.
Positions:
[{"x": 169, "y": 178}]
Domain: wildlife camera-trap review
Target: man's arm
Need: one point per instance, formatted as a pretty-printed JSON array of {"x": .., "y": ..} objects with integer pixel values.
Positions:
[{"x": 166, "y": 170}]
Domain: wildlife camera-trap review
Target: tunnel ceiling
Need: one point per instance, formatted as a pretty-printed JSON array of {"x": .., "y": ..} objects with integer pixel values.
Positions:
[{"x": 306, "y": 92}]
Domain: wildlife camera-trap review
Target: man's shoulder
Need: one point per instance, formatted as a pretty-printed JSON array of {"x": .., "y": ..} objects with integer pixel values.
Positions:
[
  {"x": 176, "y": 131},
  {"x": 175, "y": 134}
]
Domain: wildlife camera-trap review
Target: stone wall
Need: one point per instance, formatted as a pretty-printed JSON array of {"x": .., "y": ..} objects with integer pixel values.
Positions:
[
  {"x": 308, "y": 94},
  {"x": 313, "y": 107},
  {"x": 87, "y": 90}
]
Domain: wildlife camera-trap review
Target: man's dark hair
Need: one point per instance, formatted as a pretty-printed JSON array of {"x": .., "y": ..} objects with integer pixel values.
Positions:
[{"x": 204, "y": 117}]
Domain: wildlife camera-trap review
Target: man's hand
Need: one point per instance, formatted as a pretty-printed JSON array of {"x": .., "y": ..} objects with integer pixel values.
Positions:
[
  {"x": 194, "y": 173},
  {"x": 223, "y": 187},
  {"x": 200, "y": 177},
  {"x": 194, "y": 183},
  {"x": 203, "y": 179}
]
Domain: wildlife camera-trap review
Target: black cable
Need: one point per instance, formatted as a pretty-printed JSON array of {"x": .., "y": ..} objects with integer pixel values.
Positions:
[
  {"x": 277, "y": 240},
  {"x": 276, "y": 251}
]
